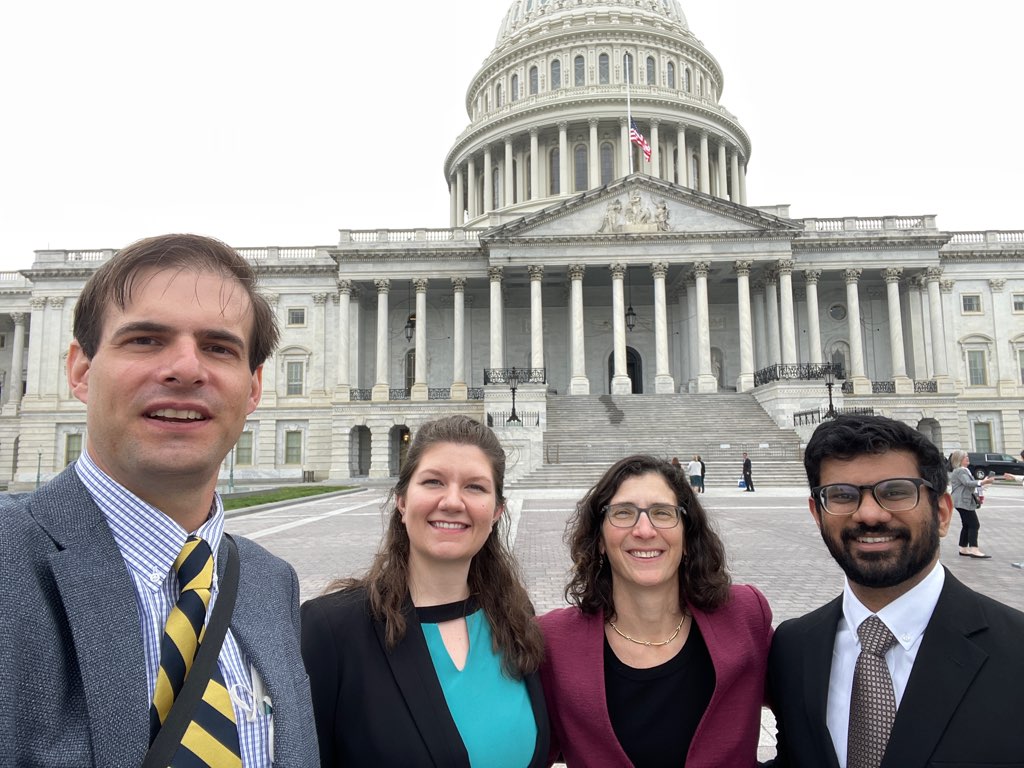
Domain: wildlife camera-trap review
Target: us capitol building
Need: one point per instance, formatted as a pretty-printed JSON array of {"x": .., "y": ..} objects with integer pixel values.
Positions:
[{"x": 577, "y": 282}]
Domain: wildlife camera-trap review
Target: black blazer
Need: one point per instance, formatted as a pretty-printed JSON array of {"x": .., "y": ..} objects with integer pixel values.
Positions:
[
  {"x": 963, "y": 705},
  {"x": 378, "y": 707}
]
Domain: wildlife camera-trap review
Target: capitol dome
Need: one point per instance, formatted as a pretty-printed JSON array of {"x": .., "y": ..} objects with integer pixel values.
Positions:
[{"x": 547, "y": 109}]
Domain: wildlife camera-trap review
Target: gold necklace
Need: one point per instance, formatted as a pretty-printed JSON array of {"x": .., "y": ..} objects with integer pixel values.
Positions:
[{"x": 649, "y": 643}]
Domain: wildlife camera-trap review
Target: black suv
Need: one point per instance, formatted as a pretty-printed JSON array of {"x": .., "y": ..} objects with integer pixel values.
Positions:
[{"x": 982, "y": 464}]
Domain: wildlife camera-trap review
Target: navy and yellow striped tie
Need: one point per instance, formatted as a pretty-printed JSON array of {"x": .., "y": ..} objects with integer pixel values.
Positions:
[{"x": 211, "y": 738}]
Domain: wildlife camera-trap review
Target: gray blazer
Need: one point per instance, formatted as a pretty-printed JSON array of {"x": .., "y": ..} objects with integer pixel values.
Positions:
[
  {"x": 73, "y": 689},
  {"x": 961, "y": 487}
]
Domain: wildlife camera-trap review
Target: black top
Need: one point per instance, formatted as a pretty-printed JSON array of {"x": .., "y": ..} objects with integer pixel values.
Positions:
[
  {"x": 655, "y": 711},
  {"x": 438, "y": 614}
]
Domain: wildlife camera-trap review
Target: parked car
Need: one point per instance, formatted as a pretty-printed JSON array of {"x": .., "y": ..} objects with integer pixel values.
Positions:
[{"x": 982, "y": 464}]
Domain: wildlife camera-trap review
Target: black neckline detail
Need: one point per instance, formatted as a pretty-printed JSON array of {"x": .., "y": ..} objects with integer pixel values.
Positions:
[{"x": 435, "y": 614}]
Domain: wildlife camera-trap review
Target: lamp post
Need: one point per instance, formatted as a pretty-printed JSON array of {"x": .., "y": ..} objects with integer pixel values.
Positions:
[
  {"x": 830, "y": 381},
  {"x": 39, "y": 467},
  {"x": 513, "y": 382},
  {"x": 231, "y": 470}
]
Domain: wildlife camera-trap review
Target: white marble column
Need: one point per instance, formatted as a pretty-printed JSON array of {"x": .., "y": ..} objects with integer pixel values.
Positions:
[
  {"x": 621, "y": 383},
  {"x": 743, "y": 183},
  {"x": 745, "y": 382},
  {"x": 579, "y": 384},
  {"x": 594, "y": 153},
  {"x": 917, "y": 335},
  {"x": 15, "y": 383},
  {"x": 269, "y": 397},
  {"x": 473, "y": 207},
  {"x": 342, "y": 343},
  {"x": 419, "y": 389},
  {"x": 723, "y": 172},
  {"x": 459, "y": 390},
  {"x": 453, "y": 201},
  {"x": 811, "y": 277},
  {"x": 787, "y": 315},
  {"x": 497, "y": 318},
  {"x": 510, "y": 176},
  {"x": 536, "y": 273},
  {"x": 940, "y": 366},
  {"x": 903, "y": 384},
  {"x": 564, "y": 187},
  {"x": 758, "y": 321},
  {"x": 53, "y": 370},
  {"x": 655, "y": 164},
  {"x": 535, "y": 191},
  {"x": 860, "y": 381},
  {"x": 682, "y": 161},
  {"x": 692, "y": 333},
  {"x": 735, "y": 159},
  {"x": 1005, "y": 355},
  {"x": 771, "y": 320},
  {"x": 382, "y": 383},
  {"x": 706, "y": 381},
  {"x": 626, "y": 147},
  {"x": 705, "y": 165},
  {"x": 488, "y": 182},
  {"x": 317, "y": 376},
  {"x": 663, "y": 381}
]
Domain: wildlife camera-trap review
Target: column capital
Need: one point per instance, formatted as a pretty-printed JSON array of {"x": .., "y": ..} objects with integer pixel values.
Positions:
[
  {"x": 659, "y": 269},
  {"x": 690, "y": 279},
  {"x": 576, "y": 271},
  {"x": 272, "y": 299},
  {"x": 702, "y": 269},
  {"x": 812, "y": 276},
  {"x": 622, "y": 121},
  {"x": 592, "y": 122},
  {"x": 997, "y": 284},
  {"x": 320, "y": 299},
  {"x": 618, "y": 270},
  {"x": 495, "y": 274},
  {"x": 771, "y": 276},
  {"x": 892, "y": 274},
  {"x": 420, "y": 284},
  {"x": 933, "y": 274},
  {"x": 37, "y": 303},
  {"x": 759, "y": 285},
  {"x": 654, "y": 122},
  {"x": 383, "y": 285},
  {"x": 916, "y": 282},
  {"x": 458, "y": 284},
  {"x": 536, "y": 272},
  {"x": 681, "y": 127},
  {"x": 508, "y": 138},
  {"x": 947, "y": 285},
  {"x": 345, "y": 286},
  {"x": 851, "y": 276},
  {"x": 17, "y": 317},
  {"x": 534, "y": 132},
  {"x": 57, "y": 301},
  {"x": 742, "y": 267},
  {"x": 563, "y": 125},
  {"x": 785, "y": 266}
]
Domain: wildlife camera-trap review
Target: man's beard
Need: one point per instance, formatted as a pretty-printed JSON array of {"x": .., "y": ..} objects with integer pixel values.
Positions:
[{"x": 885, "y": 569}]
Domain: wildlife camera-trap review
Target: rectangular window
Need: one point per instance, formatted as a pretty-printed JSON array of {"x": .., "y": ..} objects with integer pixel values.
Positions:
[
  {"x": 296, "y": 378},
  {"x": 72, "y": 448},
  {"x": 296, "y": 316},
  {"x": 3, "y": 341},
  {"x": 982, "y": 436},
  {"x": 971, "y": 303},
  {"x": 293, "y": 447},
  {"x": 1020, "y": 364},
  {"x": 243, "y": 449},
  {"x": 1018, "y": 302},
  {"x": 977, "y": 374}
]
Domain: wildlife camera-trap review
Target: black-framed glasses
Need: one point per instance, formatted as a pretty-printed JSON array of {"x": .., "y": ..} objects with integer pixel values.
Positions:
[
  {"x": 897, "y": 494},
  {"x": 626, "y": 515}
]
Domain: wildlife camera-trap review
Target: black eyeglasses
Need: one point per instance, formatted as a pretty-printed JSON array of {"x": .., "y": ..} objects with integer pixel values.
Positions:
[
  {"x": 626, "y": 515},
  {"x": 897, "y": 494}
]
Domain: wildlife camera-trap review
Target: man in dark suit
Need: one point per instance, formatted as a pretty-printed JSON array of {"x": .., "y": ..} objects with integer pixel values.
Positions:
[
  {"x": 955, "y": 668},
  {"x": 748, "y": 477},
  {"x": 170, "y": 337}
]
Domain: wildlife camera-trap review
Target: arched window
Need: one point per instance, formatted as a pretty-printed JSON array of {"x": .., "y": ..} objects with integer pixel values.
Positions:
[
  {"x": 556, "y": 75},
  {"x": 515, "y": 88},
  {"x": 687, "y": 84},
  {"x": 602, "y": 69},
  {"x": 627, "y": 68},
  {"x": 579, "y": 69},
  {"x": 533, "y": 81},
  {"x": 652, "y": 71},
  {"x": 554, "y": 172},
  {"x": 580, "y": 167},
  {"x": 671, "y": 73},
  {"x": 607, "y": 162},
  {"x": 499, "y": 95}
]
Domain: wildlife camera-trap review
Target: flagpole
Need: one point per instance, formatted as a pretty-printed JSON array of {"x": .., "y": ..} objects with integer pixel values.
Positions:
[{"x": 629, "y": 114}]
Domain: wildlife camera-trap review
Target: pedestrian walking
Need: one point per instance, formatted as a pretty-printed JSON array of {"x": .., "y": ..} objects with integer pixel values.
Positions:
[{"x": 748, "y": 478}]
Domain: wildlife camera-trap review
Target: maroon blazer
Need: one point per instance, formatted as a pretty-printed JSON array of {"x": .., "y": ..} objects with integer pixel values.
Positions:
[{"x": 738, "y": 636}]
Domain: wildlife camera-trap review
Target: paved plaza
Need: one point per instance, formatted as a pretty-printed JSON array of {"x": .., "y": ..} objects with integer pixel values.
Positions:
[{"x": 770, "y": 539}]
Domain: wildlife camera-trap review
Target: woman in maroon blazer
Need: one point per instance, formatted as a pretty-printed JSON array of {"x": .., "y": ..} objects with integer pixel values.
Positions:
[{"x": 661, "y": 661}]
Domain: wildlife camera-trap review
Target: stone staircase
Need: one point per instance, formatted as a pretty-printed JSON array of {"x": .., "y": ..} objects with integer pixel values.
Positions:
[{"x": 587, "y": 434}]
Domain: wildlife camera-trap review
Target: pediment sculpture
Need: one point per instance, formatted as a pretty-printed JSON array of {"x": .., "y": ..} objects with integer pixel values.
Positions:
[{"x": 636, "y": 217}]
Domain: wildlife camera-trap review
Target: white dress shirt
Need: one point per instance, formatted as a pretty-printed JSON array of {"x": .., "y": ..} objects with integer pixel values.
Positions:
[{"x": 907, "y": 618}]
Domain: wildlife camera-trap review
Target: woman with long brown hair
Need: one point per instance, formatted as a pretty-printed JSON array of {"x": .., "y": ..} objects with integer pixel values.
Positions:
[
  {"x": 661, "y": 660},
  {"x": 431, "y": 658}
]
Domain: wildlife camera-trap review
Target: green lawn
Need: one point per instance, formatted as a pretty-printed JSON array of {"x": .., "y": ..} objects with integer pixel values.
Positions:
[{"x": 280, "y": 494}]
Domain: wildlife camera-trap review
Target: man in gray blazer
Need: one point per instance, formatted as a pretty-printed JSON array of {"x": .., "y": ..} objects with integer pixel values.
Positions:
[
  {"x": 170, "y": 337},
  {"x": 953, "y": 667}
]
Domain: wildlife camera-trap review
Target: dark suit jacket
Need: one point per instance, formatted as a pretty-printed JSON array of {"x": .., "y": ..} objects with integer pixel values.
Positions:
[
  {"x": 378, "y": 707},
  {"x": 963, "y": 705},
  {"x": 73, "y": 689}
]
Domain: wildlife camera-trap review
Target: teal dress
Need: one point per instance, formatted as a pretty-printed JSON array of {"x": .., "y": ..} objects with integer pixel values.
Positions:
[{"x": 492, "y": 711}]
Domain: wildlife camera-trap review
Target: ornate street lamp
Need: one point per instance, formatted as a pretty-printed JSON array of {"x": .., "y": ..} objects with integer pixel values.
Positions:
[
  {"x": 410, "y": 323},
  {"x": 830, "y": 381},
  {"x": 513, "y": 382},
  {"x": 630, "y": 313}
]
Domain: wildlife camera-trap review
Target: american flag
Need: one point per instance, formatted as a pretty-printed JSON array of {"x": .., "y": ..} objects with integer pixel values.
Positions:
[{"x": 638, "y": 138}]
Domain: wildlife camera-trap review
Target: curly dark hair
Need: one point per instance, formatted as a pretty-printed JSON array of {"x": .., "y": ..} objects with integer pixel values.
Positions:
[
  {"x": 847, "y": 437},
  {"x": 703, "y": 579},
  {"x": 494, "y": 577}
]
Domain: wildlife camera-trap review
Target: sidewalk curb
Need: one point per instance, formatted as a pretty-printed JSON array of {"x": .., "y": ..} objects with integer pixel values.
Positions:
[{"x": 243, "y": 511}]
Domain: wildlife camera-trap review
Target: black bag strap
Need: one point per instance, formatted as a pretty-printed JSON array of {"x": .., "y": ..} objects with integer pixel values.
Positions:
[{"x": 168, "y": 739}]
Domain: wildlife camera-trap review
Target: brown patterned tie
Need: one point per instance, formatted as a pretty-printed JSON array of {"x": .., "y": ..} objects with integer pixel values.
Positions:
[{"x": 872, "y": 703}]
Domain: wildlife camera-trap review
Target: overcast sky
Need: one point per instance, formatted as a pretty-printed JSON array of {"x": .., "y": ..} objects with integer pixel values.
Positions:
[{"x": 277, "y": 124}]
